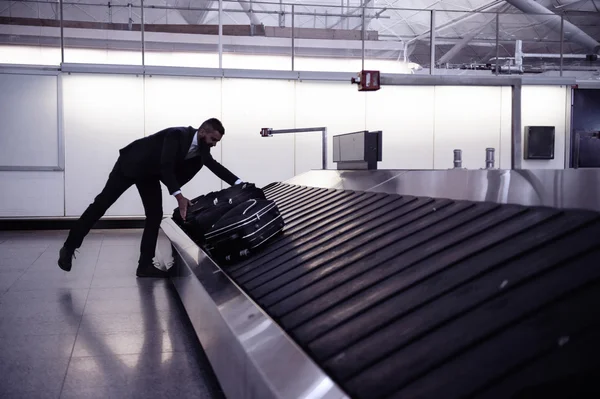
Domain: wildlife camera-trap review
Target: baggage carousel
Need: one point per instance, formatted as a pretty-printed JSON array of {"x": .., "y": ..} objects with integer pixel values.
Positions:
[{"x": 407, "y": 284}]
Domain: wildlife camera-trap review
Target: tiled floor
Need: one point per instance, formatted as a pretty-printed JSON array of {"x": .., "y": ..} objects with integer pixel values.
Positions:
[{"x": 97, "y": 331}]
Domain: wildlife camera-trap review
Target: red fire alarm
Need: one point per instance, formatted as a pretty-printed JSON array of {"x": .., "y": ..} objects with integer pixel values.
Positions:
[{"x": 367, "y": 81}]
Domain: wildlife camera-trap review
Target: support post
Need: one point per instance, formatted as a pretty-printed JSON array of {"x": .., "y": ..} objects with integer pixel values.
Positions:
[
  {"x": 432, "y": 44},
  {"x": 363, "y": 35},
  {"x": 562, "y": 42},
  {"x": 517, "y": 150},
  {"x": 62, "y": 34},
  {"x": 293, "y": 35},
  {"x": 220, "y": 34},
  {"x": 142, "y": 30},
  {"x": 497, "y": 43}
]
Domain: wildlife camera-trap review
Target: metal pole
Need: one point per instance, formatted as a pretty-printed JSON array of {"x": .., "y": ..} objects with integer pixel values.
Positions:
[
  {"x": 142, "y": 29},
  {"x": 324, "y": 136},
  {"x": 432, "y": 43},
  {"x": 562, "y": 42},
  {"x": 489, "y": 158},
  {"x": 62, "y": 35},
  {"x": 220, "y": 34},
  {"x": 517, "y": 151},
  {"x": 363, "y": 35},
  {"x": 497, "y": 42},
  {"x": 293, "y": 35}
]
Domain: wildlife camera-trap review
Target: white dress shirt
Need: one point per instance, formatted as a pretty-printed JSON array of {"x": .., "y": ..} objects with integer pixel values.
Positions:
[{"x": 191, "y": 153}]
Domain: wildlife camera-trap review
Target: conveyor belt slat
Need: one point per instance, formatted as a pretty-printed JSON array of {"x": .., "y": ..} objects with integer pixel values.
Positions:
[
  {"x": 320, "y": 225},
  {"x": 333, "y": 245},
  {"x": 398, "y": 296},
  {"x": 430, "y": 278},
  {"x": 356, "y": 218},
  {"x": 529, "y": 339},
  {"x": 421, "y": 352},
  {"x": 452, "y": 230},
  {"x": 560, "y": 371}
]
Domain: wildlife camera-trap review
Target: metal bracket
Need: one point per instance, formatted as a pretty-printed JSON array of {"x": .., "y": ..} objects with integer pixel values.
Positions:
[{"x": 269, "y": 132}]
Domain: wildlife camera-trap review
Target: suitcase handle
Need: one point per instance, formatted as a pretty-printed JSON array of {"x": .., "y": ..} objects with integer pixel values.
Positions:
[{"x": 246, "y": 210}]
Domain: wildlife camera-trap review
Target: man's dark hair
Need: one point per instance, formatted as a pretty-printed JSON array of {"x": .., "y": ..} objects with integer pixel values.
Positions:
[{"x": 213, "y": 124}]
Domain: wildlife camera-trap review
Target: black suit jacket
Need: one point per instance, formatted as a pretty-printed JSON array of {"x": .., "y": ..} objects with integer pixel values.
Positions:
[{"x": 162, "y": 155}]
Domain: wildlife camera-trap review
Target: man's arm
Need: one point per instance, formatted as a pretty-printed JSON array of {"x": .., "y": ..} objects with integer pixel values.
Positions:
[
  {"x": 219, "y": 170},
  {"x": 167, "y": 162}
]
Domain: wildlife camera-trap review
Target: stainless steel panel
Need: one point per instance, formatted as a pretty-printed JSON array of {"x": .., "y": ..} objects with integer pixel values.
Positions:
[
  {"x": 251, "y": 356},
  {"x": 569, "y": 188}
]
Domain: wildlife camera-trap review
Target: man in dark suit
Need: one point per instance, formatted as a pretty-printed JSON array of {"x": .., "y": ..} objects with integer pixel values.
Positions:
[{"x": 172, "y": 156}]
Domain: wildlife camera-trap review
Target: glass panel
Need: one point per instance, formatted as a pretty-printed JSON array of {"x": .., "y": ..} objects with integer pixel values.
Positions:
[
  {"x": 258, "y": 35},
  {"x": 465, "y": 43},
  {"x": 108, "y": 33},
  {"x": 327, "y": 38},
  {"x": 181, "y": 37},
  {"x": 29, "y": 33},
  {"x": 529, "y": 44},
  {"x": 397, "y": 40}
]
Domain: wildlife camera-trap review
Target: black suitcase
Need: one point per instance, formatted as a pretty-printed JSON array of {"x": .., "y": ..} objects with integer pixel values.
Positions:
[
  {"x": 244, "y": 230},
  {"x": 207, "y": 209}
]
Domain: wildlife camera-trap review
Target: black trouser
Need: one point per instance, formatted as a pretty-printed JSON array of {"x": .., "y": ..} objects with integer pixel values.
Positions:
[{"x": 117, "y": 184}]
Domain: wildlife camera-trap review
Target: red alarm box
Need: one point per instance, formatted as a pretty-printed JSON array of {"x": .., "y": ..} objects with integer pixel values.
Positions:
[{"x": 367, "y": 81}]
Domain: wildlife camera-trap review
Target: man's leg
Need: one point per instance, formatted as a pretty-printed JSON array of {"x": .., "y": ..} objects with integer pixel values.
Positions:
[
  {"x": 115, "y": 186},
  {"x": 151, "y": 195}
]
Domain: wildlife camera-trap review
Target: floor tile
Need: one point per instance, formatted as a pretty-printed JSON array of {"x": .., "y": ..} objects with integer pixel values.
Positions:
[
  {"x": 19, "y": 257},
  {"x": 126, "y": 343},
  {"x": 38, "y": 284},
  {"x": 11, "y": 329},
  {"x": 23, "y": 298},
  {"x": 97, "y": 331},
  {"x": 129, "y": 322},
  {"x": 33, "y": 377},
  {"x": 19, "y": 349},
  {"x": 8, "y": 279}
]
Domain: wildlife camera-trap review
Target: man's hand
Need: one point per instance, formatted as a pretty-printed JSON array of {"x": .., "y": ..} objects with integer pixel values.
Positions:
[{"x": 183, "y": 205}]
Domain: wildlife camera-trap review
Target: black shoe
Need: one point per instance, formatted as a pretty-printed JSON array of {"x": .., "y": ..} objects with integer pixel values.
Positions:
[
  {"x": 65, "y": 257},
  {"x": 150, "y": 271}
]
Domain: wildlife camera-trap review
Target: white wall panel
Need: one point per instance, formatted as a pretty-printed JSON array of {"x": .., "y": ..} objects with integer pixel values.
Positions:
[
  {"x": 29, "y": 55},
  {"x": 102, "y": 113},
  {"x": 28, "y": 120},
  {"x": 328, "y": 65},
  {"x": 467, "y": 118},
  {"x": 545, "y": 106},
  {"x": 31, "y": 194},
  {"x": 181, "y": 59},
  {"x": 405, "y": 116},
  {"x": 248, "y": 106},
  {"x": 335, "y": 105},
  {"x": 182, "y": 101},
  {"x": 270, "y": 62}
]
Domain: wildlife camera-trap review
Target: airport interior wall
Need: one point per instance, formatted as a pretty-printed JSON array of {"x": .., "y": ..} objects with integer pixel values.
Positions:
[{"x": 100, "y": 113}]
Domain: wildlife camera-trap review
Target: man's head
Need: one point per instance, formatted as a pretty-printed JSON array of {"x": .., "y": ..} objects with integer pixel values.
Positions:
[{"x": 211, "y": 131}]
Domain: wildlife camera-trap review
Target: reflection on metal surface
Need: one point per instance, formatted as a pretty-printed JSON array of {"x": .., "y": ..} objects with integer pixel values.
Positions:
[
  {"x": 569, "y": 188},
  {"x": 250, "y": 354}
]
